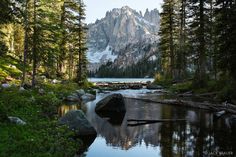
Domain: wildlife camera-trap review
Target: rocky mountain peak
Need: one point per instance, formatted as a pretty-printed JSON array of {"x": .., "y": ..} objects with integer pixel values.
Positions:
[
  {"x": 151, "y": 16},
  {"x": 118, "y": 29}
]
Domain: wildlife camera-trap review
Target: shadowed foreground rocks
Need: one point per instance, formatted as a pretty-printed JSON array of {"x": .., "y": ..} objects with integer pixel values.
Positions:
[
  {"x": 77, "y": 122},
  {"x": 111, "y": 103},
  {"x": 112, "y": 107}
]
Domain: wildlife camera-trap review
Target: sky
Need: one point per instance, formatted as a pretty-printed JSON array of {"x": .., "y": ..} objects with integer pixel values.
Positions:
[{"x": 96, "y": 9}]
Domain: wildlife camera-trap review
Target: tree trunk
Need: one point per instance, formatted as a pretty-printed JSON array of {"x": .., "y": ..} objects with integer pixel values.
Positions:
[
  {"x": 182, "y": 48},
  {"x": 201, "y": 72},
  {"x": 34, "y": 51},
  {"x": 63, "y": 41},
  {"x": 172, "y": 57},
  {"x": 26, "y": 44}
]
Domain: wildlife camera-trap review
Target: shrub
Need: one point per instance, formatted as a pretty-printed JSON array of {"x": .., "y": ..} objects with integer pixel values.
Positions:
[
  {"x": 49, "y": 104},
  {"x": 182, "y": 87},
  {"x": 3, "y": 113}
]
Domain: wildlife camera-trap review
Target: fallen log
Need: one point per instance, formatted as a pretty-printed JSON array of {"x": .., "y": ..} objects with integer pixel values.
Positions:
[
  {"x": 201, "y": 105},
  {"x": 138, "y": 122},
  {"x": 159, "y": 120},
  {"x": 203, "y": 95}
]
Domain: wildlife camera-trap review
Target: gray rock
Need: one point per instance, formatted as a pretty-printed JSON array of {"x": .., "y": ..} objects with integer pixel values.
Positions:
[
  {"x": 21, "y": 89},
  {"x": 111, "y": 103},
  {"x": 73, "y": 98},
  {"x": 80, "y": 92},
  {"x": 5, "y": 85},
  {"x": 88, "y": 97},
  {"x": 16, "y": 120},
  {"x": 41, "y": 91},
  {"x": 77, "y": 122},
  {"x": 54, "y": 81}
]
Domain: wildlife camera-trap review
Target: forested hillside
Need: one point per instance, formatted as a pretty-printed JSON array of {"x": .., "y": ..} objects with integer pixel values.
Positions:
[
  {"x": 43, "y": 38},
  {"x": 42, "y": 42},
  {"x": 197, "y": 42}
]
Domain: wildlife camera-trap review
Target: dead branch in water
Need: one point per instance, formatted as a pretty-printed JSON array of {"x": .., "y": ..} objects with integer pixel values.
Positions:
[{"x": 147, "y": 121}]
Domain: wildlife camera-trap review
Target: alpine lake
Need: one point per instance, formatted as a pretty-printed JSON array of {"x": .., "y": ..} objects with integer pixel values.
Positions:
[{"x": 201, "y": 135}]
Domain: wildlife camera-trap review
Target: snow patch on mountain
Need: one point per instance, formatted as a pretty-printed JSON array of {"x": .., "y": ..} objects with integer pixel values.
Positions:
[
  {"x": 101, "y": 56},
  {"x": 152, "y": 58}
]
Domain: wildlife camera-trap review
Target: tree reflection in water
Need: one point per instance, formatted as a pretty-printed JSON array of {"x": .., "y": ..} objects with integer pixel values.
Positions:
[{"x": 199, "y": 136}]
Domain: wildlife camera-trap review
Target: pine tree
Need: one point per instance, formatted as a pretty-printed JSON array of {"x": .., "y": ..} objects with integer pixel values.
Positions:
[
  {"x": 6, "y": 11},
  {"x": 26, "y": 39},
  {"x": 198, "y": 35},
  {"x": 181, "y": 50},
  {"x": 168, "y": 37},
  {"x": 226, "y": 31},
  {"x": 82, "y": 48},
  {"x": 35, "y": 42},
  {"x": 62, "y": 54}
]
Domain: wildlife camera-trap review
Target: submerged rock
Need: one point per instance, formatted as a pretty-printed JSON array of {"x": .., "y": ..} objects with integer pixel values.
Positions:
[
  {"x": 87, "y": 141},
  {"x": 16, "y": 120},
  {"x": 111, "y": 103},
  {"x": 77, "y": 122}
]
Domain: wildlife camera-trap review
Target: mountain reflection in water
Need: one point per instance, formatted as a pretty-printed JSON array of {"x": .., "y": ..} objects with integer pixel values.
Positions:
[{"x": 199, "y": 136}]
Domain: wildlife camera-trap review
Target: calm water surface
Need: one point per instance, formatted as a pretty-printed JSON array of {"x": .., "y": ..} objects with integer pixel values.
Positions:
[{"x": 201, "y": 135}]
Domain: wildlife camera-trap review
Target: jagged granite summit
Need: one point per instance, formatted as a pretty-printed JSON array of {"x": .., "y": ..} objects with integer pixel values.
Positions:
[{"x": 123, "y": 36}]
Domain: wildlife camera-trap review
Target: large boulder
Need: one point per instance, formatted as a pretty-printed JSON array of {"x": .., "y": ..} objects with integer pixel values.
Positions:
[
  {"x": 112, "y": 103},
  {"x": 77, "y": 122}
]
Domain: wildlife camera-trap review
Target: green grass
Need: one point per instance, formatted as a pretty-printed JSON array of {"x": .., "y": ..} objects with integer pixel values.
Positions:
[
  {"x": 10, "y": 67},
  {"x": 224, "y": 87},
  {"x": 42, "y": 136},
  {"x": 181, "y": 87}
]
